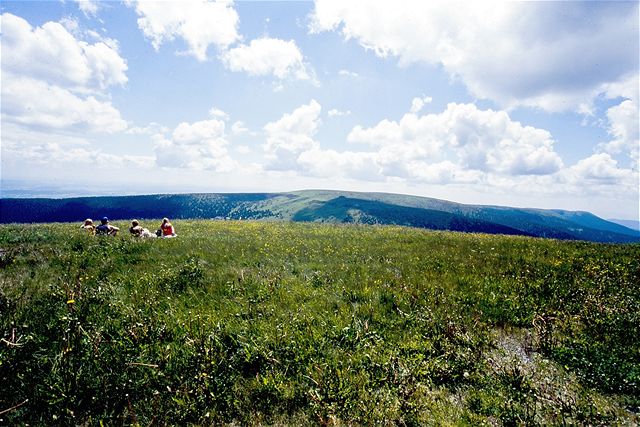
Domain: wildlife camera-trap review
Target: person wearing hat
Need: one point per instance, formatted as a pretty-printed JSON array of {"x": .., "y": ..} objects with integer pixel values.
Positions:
[
  {"x": 89, "y": 227},
  {"x": 106, "y": 229},
  {"x": 137, "y": 230}
]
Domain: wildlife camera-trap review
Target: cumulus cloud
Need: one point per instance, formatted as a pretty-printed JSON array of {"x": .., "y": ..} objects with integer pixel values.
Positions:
[
  {"x": 444, "y": 172},
  {"x": 35, "y": 103},
  {"x": 199, "y": 145},
  {"x": 51, "y": 79},
  {"x": 483, "y": 140},
  {"x": 418, "y": 103},
  {"x": 204, "y": 23},
  {"x": 330, "y": 163},
  {"x": 88, "y": 7},
  {"x": 238, "y": 128},
  {"x": 291, "y": 146},
  {"x": 291, "y": 135},
  {"x": 218, "y": 113},
  {"x": 51, "y": 53},
  {"x": 624, "y": 88},
  {"x": 268, "y": 56},
  {"x": 483, "y": 150},
  {"x": 552, "y": 55},
  {"x": 462, "y": 144},
  {"x": 199, "y": 23},
  {"x": 598, "y": 173},
  {"x": 624, "y": 123},
  {"x": 598, "y": 167}
]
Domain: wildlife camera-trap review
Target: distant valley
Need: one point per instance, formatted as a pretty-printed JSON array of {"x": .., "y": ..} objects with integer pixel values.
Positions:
[{"x": 325, "y": 206}]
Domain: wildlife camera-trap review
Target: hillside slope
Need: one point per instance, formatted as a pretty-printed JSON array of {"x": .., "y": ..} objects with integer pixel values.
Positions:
[
  {"x": 304, "y": 324},
  {"x": 326, "y": 206}
]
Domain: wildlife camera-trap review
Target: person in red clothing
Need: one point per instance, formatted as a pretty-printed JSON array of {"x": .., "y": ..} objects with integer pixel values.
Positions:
[{"x": 167, "y": 229}]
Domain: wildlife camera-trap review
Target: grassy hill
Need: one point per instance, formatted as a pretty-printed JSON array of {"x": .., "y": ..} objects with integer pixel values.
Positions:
[
  {"x": 326, "y": 206},
  {"x": 257, "y": 323}
]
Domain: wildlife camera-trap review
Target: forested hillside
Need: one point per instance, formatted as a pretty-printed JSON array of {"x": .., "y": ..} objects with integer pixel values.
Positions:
[{"x": 326, "y": 206}]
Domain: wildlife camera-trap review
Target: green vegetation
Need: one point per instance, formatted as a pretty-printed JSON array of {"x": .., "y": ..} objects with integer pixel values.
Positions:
[
  {"x": 305, "y": 324},
  {"x": 327, "y": 207}
]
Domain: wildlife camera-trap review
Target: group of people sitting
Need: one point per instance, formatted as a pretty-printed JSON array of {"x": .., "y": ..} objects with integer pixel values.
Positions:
[{"x": 165, "y": 231}]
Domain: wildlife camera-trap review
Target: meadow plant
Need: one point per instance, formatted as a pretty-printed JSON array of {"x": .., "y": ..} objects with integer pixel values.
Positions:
[{"x": 304, "y": 324}]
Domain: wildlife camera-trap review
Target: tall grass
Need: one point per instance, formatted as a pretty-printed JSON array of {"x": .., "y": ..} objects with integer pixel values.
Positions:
[{"x": 284, "y": 323}]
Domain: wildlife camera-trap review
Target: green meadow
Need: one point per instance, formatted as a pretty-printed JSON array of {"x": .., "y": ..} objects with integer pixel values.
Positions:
[{"x": 274, "y": 323}]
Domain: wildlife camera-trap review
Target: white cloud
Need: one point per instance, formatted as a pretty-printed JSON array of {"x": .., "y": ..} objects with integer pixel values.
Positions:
[
  {"x": 303, "y": 121},
  {"x": 200, "y": 23},
  {"x": 268, "y": 56},
  {"x": 193, "y": 133},
  {"x": 460, "y": 145},
  {"x": 418, "y": 103},
  {"x": 291, "y": 135},
  {"x": 18, "y": 136},
  {"x": 337, "y": 113},
  {"x": 552, "y": 55},
  {"x": 151, "y": 129},
  {"x": 88, "y": 7},
  {"x": 601, "y": 169},
  {"x": 347, "y": 73},
  {"x": 34, "y": 103},
  {"x": 45, "y": 148},
  {"x": 53, "y": 80},
  {"x": 216, "y": 112},
  {"x": 238, "y": 128},
  {"x": 200, "y": 145},
  {"x": 482, "y": 140},
  {"x": 624, "y": 123},
  {"x": 330, "y": 164},
  {"x": 483, "y": 150},
  {"x": 71, "y": 24},
  {"x": 626, "y": 87},
  {"x": 51, "y": 53},
  {"x": 444, "y": 172}
]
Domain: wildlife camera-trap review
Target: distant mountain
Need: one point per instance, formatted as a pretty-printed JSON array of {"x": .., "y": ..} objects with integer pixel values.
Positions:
[
  {"x": 326, "y": 206},
  {"x": 629, "y": 223}
]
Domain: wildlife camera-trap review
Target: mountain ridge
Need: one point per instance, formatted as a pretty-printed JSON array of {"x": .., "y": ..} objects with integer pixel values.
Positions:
[
  {"x": 629, "y": 223},
  {"x": 326, "y": 206}
]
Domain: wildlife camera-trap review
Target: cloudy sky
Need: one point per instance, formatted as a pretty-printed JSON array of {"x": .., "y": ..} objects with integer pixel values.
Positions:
[{"x": 531, "y": 104}]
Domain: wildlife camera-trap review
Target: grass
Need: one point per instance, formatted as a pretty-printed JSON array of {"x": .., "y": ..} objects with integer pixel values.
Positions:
[{"x": 303, "y": 324}]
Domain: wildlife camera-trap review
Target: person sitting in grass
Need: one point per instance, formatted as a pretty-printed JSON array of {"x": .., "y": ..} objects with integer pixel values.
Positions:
[
  {"x": 166, "y": 229},
  {"x": 138, "y": 231},
  {"x": 89, "y": 227},
  {"x": 106, "y": 229}
]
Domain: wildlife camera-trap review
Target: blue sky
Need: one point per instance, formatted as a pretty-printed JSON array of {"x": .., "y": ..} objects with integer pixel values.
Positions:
[{"x": 531, "y": 104}]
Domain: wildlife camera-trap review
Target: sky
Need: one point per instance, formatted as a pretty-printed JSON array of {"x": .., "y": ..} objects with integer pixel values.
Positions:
[{"x": 525, "y": 104}]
